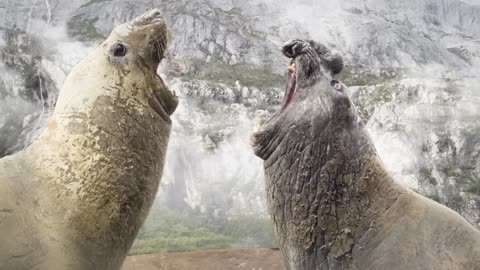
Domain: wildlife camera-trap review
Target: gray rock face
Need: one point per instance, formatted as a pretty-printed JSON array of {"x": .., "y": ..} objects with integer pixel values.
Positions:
[{"x": 412, "y": 71}]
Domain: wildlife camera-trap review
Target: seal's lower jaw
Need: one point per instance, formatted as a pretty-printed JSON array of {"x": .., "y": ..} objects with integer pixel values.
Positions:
[
  {"x": 260, "y": 142},
  {"x": 163, "y": 101}
]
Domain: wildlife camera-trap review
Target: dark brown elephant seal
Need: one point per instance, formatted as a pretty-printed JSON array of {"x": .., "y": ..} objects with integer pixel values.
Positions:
[
  {"x": 76, "y": 198},
  {"x": 333, "y": 204}
]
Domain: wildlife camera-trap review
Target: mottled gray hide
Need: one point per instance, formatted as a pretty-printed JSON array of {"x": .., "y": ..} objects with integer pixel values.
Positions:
[{"x": 333, "y": 204}]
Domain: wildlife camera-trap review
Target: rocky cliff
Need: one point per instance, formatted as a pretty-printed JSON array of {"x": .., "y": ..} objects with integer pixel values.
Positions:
[{"x": 412, "y": 68}]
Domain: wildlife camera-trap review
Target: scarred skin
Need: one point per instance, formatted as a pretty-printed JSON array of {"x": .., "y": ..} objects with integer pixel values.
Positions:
[
  {"x": 76, "y": 198},
  {"x": 334, "y": 205}
]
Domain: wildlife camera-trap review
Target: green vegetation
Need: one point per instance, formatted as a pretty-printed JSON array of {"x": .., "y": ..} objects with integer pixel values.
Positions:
[
  {"x": 468, "y": 179},
  {"x": 83, "y": 29},
  {"x": 473, "y": 186},
  {"x": 446, "y": 144},
  {"x": 362, "y": 76},
  {"x": 171, "y": 231},
  {"x": 426, "y": 174},
  {"x": 93, "y": 2},
  {"x": 247, "y": 74},
  {"x": 371, "y": 97},
  {"x": 377, "y": 87}
]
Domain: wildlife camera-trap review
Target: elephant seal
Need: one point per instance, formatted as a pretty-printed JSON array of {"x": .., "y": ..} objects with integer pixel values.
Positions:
[
  {"x": 76, "y": 198},
  {"x": 333, "y": 204}
]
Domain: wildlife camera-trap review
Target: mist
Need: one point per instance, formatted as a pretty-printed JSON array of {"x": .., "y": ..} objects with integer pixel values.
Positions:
[{"x": 412, "y": 71}]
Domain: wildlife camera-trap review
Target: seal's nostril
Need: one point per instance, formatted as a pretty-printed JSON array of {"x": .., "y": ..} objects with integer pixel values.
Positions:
[
  {"x": 289, "y": 50},
  {"x": 293, "y": 48},
  {"x": 156, "y": 13}
]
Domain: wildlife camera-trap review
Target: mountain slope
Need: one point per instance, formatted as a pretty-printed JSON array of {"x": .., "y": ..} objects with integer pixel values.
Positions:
[{"x": 411, "y": 66}]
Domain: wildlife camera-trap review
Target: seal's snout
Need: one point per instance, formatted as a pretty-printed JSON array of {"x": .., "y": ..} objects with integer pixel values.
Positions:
[
  {"x": 260, "y": 142},
  {"x": 151, "y": 29},
  {"x": 149, "y": 17},
  {"x": 294, "y": 48},
  {"x": 153, "y": 16},
  {"x": 155, "y": 13}
]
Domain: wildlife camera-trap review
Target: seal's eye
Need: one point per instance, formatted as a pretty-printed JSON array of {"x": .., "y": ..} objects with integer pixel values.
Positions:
[
  {"x": 336, "y": 85},
  {"x": 119, "y": 50}
]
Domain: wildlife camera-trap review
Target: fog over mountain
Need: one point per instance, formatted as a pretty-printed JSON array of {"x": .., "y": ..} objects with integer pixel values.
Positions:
[{"x": 412, "y": 71}]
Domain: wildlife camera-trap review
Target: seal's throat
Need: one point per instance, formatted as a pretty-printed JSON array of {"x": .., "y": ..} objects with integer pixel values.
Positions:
[{"x": 291, "y": 85}]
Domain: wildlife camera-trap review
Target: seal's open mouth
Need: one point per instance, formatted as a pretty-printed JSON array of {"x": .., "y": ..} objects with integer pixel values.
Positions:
[
  {"x": 164, "y": 101},
  {"x": 292, "y": 85},
  {"x": 262, "y": 140}
]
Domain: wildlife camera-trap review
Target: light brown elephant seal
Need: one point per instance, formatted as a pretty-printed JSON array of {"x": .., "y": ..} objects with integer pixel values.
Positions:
[
  {"x": 333, "y": 204},
  {"x": 76, "y": 198}
]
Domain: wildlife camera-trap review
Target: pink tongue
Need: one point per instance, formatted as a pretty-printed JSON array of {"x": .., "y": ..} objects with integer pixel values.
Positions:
[{"x": 292, "y": 89}]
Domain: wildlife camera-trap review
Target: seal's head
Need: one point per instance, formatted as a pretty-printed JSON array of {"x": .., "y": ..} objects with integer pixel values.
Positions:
[
  {"x": 123, "y": 68},
  {"x": 313, "y": 101}
]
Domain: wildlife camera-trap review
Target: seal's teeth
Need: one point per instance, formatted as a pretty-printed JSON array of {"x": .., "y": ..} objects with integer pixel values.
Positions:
[
  {"x": 291, "y": 67},
  {"x": 259, "y": 126}
]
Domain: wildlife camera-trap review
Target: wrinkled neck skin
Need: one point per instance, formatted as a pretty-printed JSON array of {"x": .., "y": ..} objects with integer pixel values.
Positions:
[
  {"x": 320, "y": 197},
  {"x": 102, "y": 157},
  {"x": 321, "y": 169}
]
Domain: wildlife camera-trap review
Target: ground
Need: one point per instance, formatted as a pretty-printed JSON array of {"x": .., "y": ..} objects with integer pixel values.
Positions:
[{"x": 248, "y": 259}]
